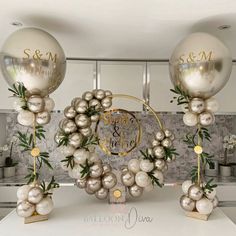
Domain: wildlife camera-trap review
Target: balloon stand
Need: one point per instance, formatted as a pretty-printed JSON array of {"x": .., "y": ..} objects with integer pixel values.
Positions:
[
  {"x": 35, "y": 218},
  {"x": 197, "y": 215}
]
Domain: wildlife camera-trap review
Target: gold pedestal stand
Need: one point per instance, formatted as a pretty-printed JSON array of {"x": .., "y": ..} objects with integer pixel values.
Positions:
[{"x": 197, "y": 215}]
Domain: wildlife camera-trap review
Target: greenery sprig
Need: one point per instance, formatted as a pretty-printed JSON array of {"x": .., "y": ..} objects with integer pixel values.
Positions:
[
  {"x": 64, "y": 140},
  {"x": 154, "y": 179},
  {"x": 182, "y": 98},
  {"x": 89, "y": 141},
  {"x": 194, "y": 174},
  {"x": 85, "y": 169},
  {"x": 209, "y": 187},
  {"x": 147, "y": 156},
  {"x": 19, "y": 91},
  {"x": 48, "y": 188},
  {"x": 91, "y": 111},
  {"x": 169, "y": 153},
  {"x": 70, "y": 162},
  {"x": 31, "y": 177}
]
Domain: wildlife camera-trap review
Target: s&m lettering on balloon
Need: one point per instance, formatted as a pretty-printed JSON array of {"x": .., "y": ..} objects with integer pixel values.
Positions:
[
  {"x": 119, "y": 132},
  {"x": 193, "y": 57},
  {"x": 39, "y": 55}
]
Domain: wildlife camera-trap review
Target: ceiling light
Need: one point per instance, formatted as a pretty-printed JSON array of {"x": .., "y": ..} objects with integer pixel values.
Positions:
[
  {"x": 224, "y": 27},
  {"x": 16, "y": 23}
]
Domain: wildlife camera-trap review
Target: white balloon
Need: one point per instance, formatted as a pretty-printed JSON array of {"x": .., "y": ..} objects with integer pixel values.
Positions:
[
  {"x": 190, "y": 119},
  {"x": 142, "y": 179},
  {"x": 45, "y": 206},
  {"x": 146, "y": 165},
  {"x": 18, "y": 103},
  {"x": 22, "y": 192},
  {"x": 75, "y": 172},
  {"x": 186, "y": 185},
  {"x": 210, "y": 195},
  {"x": 68, "y": 150},
  {"x": 25, "y": 118},
  {"x": 204, "y": 206},
  {"x": 134, "y": 165},
  {"x": 49, "y": 104},
  {"x": 212, "y": 104},
  {"x": 80, "y": 156}
]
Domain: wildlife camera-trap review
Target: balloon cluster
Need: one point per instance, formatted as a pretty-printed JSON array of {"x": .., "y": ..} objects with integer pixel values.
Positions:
[
  {"x": 32, "y": 199},
  {"x": 141, "y": 175},
  {"x": 202, "y": 198}
]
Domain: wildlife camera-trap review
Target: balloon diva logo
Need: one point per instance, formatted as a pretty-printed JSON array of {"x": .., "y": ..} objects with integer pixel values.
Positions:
[{"x": 119, "y": 132}]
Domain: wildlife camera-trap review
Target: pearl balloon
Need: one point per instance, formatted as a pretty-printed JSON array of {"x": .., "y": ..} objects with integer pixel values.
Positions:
[
  {"x": 35, "y": 195},
  {"x": 82, "y": 121},
  {"x": 160, "y": 135},
  {"x": 81, "y": 106},
  {"x": 168, "y": 133},
  {"x": 206, "y": 118},
  {"x": 45, "y": 206},
  {"x": 80, "y": 156},
  {"x": 96, "y": 170},
  {"x": 86, "y": 132},
  {"x": 106, "y": 168},
  {"x": 69, "y": 126},
  {"x": 106, "y": 102},
  {"x": 49, "y": 104},
  {"x": 146, "y": 165},
  {"x": 135, "y": 191},
  {"x": 95, "y": 118},
  {"x": 25, "y": 209},
  {"x": 195, "y": 192},
  {"x": 68, "y": 150},
  {"x": 70, "y": 112},
  {"x": 155, "y": 143},
  {"x": 212, "y": 105},
  {"x": 75, "y": 139},
  {"x": 35, "y": 103},
  {"x": 197, "y": 105},
  {"x": 94, "y": 184},
  {"x": 25, "y": 118},
  {"x": 43, "y": 118},
  {"x": 108, "y": 93},
  {"x": 99, "y": 94},
  {"x": 159, "y": 175},
  {"x": 81, "y": 183},
  {"x": 37, "y": 59},
  {"x": 95, "y": 103},
  {"x": 75, "y": 172},
  {"x": 102, "y": 193},
  {"x": 186, "y": 185},
  {"x": 159, "y": 151},
  {"x": 58, "y": 137},
  {"x": 184, "y": 107},
  {"x": 134, "y": 165},
  {"x": 159, "y": 164},
  {"x": 127, "y": 178},
  {"x": 166, "y": 143},
  {"x": 190, "y": 119},
  {"x": 75, "y": 101},
  {"x": 200, "y": 65},
  {"x": 109, "y": 180},
  {"x": 22, "y": 192},
  {"x": 142, "y": 179},
  {"x": 204, "y": 206},
  {"x": 187, "y": 203},
  {"x": 88, "y": 190},
  {"x": 87, "y": 96}
]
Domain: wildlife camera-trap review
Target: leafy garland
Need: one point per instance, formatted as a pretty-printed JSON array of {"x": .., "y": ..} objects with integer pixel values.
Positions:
[{"x": 190, "y": 139}]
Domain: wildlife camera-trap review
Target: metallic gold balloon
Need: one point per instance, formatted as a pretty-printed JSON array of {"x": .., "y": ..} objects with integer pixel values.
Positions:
[
  {"x": 96, "y": 170},
  {"x": 87, "y": 96},
  {"x": 95, "y": 118},
  {"x": 25, "y": 209},
  {"x": 81, "y": 183},
  {"x": 135, "y": 191},
  {"x": 200, "y": 65},
  {"x": 187, "y": 203},
  {"x": 82, "y": 121},
  {"x": 75, "y": 139},
  {"x": 45, "y": 206},
  {"x": 101, "y": 194},
  {"x": 81, "y": 106},
  {"x": 195, "y": 192},
  {"x": 70, "y": 112},
  {"x": 106, "y": 168},
  {"x": 86, "y": 132},
  {"x": 155, "y": 143},
  {"x": 69, "y": 126},
  {"x": 95, "y": 103},
  {"x": 168, "y": 133},
  {"x": 35, "y": 195},
  {"x": 108, "y": 93},
  {"x": 159, "y": 151},
  {"x": 35, "y": 58},
  {"x": 75, "y": 101},
  {"x": 58, "y": 136},
  {"x": 106, "y": 102},
  {"x": 127, "y": 178},
  {"x": 109, "y": 180},
  {"x": 99, "y": 94},
  {"x": 206, "y": 118},
  {"x": 197, "y": 105},
  {"x": 94, "y": 184},
  {"x": 35, "y": 103},
  {"x": 43, "y": 118}
]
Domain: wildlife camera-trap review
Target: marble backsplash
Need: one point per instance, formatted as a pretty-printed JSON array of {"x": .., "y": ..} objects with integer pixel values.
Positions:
[{"x": 179, "y": 169}]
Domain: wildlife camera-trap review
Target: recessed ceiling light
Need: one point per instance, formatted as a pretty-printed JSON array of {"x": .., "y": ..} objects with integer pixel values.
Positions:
[
  {"x": 224, "y": 27},
  {"x": 16, "y": 23}
]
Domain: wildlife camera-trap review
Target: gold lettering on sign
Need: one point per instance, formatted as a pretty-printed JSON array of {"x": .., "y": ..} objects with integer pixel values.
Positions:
[
  {"x": 39, "y": 55},
  {"x": 193, "y": 57}
]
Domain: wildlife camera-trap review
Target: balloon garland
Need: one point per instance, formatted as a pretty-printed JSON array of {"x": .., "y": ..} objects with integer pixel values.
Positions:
[
  {"x": 77, "y": 138},
  {"x": 200, "y": 66},
  {"x": 33, "y": 69}
]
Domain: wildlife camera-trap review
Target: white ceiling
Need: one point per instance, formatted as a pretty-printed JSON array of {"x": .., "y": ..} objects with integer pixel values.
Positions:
[{"x": 121, "y": 28}]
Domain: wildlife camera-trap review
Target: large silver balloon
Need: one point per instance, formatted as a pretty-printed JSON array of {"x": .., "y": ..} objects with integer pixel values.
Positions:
[
  {"x": 35, "y": 58},
  {"x": 195, "y": 192},
  {"x": 135, "y": 191},
  {"x": 35, "y": 195},
  {"x": 94, "y": 184},
  {"x": 109, "y": 180},
  {"x": 127, "y": 178},
  {"x": 200, "y": 65},
  {"x": 25, "y": 209},
  {"x": 102, "y": 193},
  {"x": 43, "y": 118},
  {"x": 187, "y": 203}
]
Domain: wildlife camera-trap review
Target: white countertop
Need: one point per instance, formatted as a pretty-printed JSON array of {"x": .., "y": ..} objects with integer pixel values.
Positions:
[{"x": 156, "y": 213}]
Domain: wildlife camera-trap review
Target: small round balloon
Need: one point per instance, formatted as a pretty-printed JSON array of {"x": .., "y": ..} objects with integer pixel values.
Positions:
[
  {"x": 35, "y": 58},
  {"x": 200, "y": 65}
]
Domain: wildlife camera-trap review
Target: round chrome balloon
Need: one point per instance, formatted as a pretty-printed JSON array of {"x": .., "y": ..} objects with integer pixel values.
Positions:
[
  {"x": 96, "y": 170},
  {"x": 200, "y": 65},
  {"x": 35, "y": 58},
  {"x": 135, "y": 191},
  {"x": 206, "y": 118},
  {"x": 197, "y": 105},
  {"x": 35, "y": 195},
  {"x": 109, "y": 180},
  {"x": 195, "y": 192},
  {"x": 81, "y": 183},
  {"x": 35, "y": 103},
  {"x": 25, "y": 209},
  {"x": 187, "y": 203},
  {"x": 102, "y": 193},
  {"x": 127, "y": 178},
  {"x": 94, "y": 184}
]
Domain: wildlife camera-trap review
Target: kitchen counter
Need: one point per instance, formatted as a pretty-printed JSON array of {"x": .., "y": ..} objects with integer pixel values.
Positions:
[{"x": 155, "y": 213}]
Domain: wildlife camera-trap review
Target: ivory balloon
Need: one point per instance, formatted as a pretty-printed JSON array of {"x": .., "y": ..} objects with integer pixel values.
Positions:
[
  {"x": 197, "y": 105},
  {"x": 204, "y": 206},
  {"x": 159, "y": 175},
  {"x": 94, "y": 158},
  {"x": 102, "y": 193},
  {"x": 95, "y": 118},
  {"x": 159, "y": 151},
  {"x": 149, "y": 188},
  {"x": 186, "y": 185},
  {"x": 43, "y": 118},
  {"x": 195, "y": 192},
  {"x": 142, "y": 179},
  {"x": 187, "y": 203},
  {"x": 206, "y": 118},
  {"x": 37, "y": 59},
  {"x": 35, "y": 103},
  {"x": 75, "y": 172},
  {"x": 190, "y": 119},
  {"x": 18, "y": 103},
  {"x": 35, "y": 195},
  {"x": 68, "y": 150},
  {"x": 127, "y": 178},
  {"x": 215, "y": 202},
  {"x": 25, "y": 209},
  {"x": 49, "y": 104},
  {"x": 212, "y": 105},
  {"x": 166, "y": 142},
  {"x": 155, "y": 143},
  {"x": 210, "y": 194},
  {"x": 135, "y": 190},
  {"x": 159, "y": 164},
  {"x": 75, "y": 139},
  {"x": 80, "y": 156},
  {"x": 134, "y": 165},
  {"x": 146, "y": 165},
  {"x": 22, "y": 192},
  {"x": 25, "y": 118},
  {"x": 160, "y": 135},
  {"x": 106, "y": 168},
  {"x": 45, "y": 206},
  {"x": 109, "y": 180},
  {"x": 168, "y": 133},
  {"x": 201, "y": 65}
]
